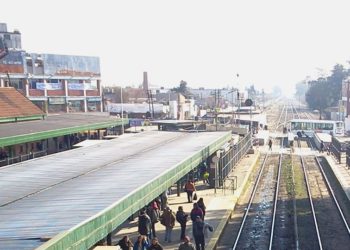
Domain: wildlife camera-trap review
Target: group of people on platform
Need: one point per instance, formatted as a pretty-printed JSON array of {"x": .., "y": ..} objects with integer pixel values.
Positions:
[{"x": 158, "y": 211}]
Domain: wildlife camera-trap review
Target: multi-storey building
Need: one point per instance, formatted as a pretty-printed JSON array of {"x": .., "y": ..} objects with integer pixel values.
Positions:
[{"x": 55, "y": 83}]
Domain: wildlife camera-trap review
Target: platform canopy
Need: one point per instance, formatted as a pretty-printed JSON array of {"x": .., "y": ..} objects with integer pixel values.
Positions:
[{"x": 77, "y": 197}]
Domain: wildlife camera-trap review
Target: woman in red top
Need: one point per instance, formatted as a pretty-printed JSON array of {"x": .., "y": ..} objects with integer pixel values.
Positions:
[{"x": 190, "y": 188}]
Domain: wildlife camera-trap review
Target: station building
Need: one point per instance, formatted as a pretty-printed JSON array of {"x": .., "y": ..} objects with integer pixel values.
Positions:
[{"x": 55, "y": 83}]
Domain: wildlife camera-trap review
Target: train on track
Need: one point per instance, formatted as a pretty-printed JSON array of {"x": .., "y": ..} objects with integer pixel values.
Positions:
[{"x": 305, "y": 127}]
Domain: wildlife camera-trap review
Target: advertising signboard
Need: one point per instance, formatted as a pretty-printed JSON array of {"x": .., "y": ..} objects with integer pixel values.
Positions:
[
  {"x": 57, "y": 100},
  {"x": 12, "y": 62},
  {"x": 76, "y": 86},
  {"x": 65, "y": 65},
  {"x": 94, "y": 99},
  {"x": 49, "y": 85}
]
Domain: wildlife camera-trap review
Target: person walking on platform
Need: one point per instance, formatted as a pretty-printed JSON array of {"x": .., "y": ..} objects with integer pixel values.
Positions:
[
  {"x": 270, "y": 145},
  {"x": 141, "y": 243},
  {"x": 182, "y": 218},
  {"x": 190, "y": 188},
  {"x": 155, "y": 245},
  {"x": 201, "y": 205},
  {"x": 168, "y": 220},
  {"x": 186, "y": 245},
  {"x": 321, "y": 147},
  {"x": 144, "y": 224}
]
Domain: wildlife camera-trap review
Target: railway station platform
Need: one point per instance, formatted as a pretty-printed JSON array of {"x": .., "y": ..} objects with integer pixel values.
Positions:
[
  {"x": 75, "y": 198},
  {"x": 342, "y": 172},
  {"x": 219, "y": 203}
]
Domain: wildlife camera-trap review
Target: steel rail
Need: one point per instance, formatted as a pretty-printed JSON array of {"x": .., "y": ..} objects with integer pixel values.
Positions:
[
  {"x": 275, "y": 201},
  {"x": 250, "y": 202},
  {"x": 311, "y": 202},
  {"x": 333, "y": 195},
  {"x": 296, "y": 234}
]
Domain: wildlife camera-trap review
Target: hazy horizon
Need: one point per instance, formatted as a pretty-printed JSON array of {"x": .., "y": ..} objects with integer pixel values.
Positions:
[{"x": 206, "y": 43}]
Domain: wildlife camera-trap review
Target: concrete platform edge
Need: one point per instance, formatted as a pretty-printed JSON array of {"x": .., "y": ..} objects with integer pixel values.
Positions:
[
  {"x": 214, "y": 239},
  {"x": 336, "y": 171}
]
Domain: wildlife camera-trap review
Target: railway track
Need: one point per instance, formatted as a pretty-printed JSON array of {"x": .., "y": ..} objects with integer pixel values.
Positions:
[
  {"x": 331, "y": 229},
  {"x": 291, "y": 204},
  {"x": 258, "y": 220}
]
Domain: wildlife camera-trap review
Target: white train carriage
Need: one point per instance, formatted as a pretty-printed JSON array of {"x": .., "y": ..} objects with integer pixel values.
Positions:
[{"x": 304, "y": 127}]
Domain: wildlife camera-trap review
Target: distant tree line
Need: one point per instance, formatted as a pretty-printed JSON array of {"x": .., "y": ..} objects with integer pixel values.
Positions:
[{"x": 326, "y": 91}]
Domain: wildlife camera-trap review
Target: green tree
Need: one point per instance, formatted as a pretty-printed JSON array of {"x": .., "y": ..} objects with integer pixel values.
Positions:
[
  {"x": 317, "y": 96},
  {"x": 301, "y": 89},
  {"x": 252, "y": 92},
  {"x": 326, "y": 91},
  {"x": 183, "y": 89}
]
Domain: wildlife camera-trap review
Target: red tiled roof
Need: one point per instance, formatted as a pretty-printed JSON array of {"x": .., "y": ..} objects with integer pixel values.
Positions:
[{"x": 14, "y": 104}]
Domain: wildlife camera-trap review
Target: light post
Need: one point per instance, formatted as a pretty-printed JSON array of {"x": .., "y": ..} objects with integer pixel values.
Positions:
[
  {"x": 239, "y": 101},
  {"x": 232, "y": 92},
  {"x": 122, "y": 113}
]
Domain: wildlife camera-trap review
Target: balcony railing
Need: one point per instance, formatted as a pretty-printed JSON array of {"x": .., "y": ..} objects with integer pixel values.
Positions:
[{"x": 20, "y": 158}]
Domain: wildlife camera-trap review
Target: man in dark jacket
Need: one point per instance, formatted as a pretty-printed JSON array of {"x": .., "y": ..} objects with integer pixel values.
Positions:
[
  {"x": 198, "y": 233},
  {"x": 155, "y": 245},
  {"x": 181, "y": 217},
  {"x": 186, "y": 244},
  {"x": 144, "y": 225}
]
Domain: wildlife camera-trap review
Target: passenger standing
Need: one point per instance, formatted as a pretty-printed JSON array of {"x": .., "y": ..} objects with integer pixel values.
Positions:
[
  {"x": 270, "y": 145},
  {"x": 182, "y": 218},
  {"x": 155, "y": 245},
  {"x": 322, "y": 147},
  {"x": 125, "y": 243},
  {"x": 164, "y": 199},
  {"x": 201, "y": 205},
  {"x": 186, "y": 245},
  {"x": 198, "y": 233},
  {"x": 190, "y": 188},
  {"x": 196, "y": 211},
  {"x": 206, "y": 177},
  {"x": 329, "y": 149},
  {"x": 141, "y": 243},
  {"x": 154, "y": 214},
  {"x": 168, "y": 220},
  {"x": 144, "y": 224}
]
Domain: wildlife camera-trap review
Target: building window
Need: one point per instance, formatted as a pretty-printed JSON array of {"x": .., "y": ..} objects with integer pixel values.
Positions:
[
  {"x": 38, "y": 63},
  {"x": 29, "y": 63},
  {"x": 16, "y": 83},
  {"x": 53, "y": 80},
  {"x": 32, "y": 83}
]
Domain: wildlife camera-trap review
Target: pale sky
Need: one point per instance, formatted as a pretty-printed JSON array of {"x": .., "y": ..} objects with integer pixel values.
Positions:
[{"x": 206, "y": 43}]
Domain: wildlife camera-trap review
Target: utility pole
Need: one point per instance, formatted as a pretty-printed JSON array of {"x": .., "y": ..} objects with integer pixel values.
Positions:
[
  {"x": 122, "y": 113},
  {"x": 239, "y": 101},
  {"x": 263, "y": 99},
  {"x": 150, "y": 103},
  {"x": 215, "y": 111},
  {"x": 233, "y": 113}
]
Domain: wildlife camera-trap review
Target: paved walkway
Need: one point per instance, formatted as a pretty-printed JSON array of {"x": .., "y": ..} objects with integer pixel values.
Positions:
[
  {"x": 220, "y": 205},
  {"x": 342, "y": 172}
]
